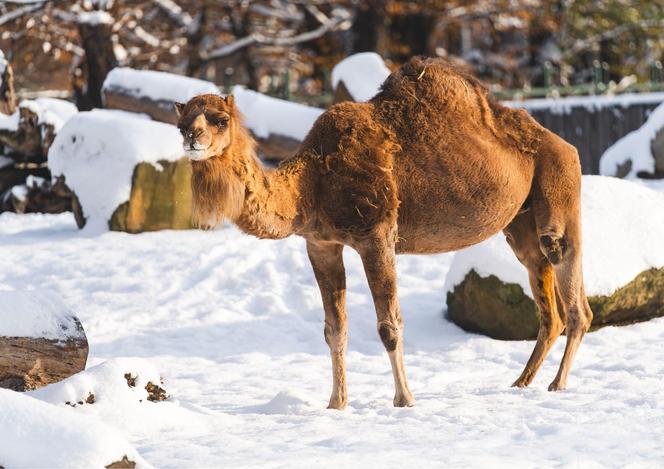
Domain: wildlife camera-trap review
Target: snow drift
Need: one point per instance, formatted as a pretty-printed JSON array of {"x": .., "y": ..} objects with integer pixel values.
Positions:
[{"x": 623, "y": 229}]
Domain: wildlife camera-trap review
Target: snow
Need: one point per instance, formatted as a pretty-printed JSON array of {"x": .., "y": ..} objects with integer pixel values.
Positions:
[
  {"x": 94, "y": 17},
  {"x": 623, "y": 229},
  {"x": 51, "y": 110},
  {"x": 158, "y": 86},
  {"x": 39, "y": 435},
  {"x": 36, "y": 314},
  {"x": 5, "y": 161},
  {"x": 234, "y": 325},
  {"x": 592, "y": 103},
  {"x": 97, "y": 152},
  {"x": 362, "y": 74},
  {"x": 3, "y": 65},
  {"x": 634, "y": 146},
  {"x": 265, "y": 115}
]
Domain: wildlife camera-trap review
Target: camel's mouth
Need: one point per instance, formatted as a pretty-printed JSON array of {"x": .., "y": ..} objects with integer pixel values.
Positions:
[{"x": 195, "y": 155}]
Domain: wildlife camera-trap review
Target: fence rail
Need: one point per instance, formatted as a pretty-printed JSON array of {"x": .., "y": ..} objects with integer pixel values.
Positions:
[{"x": 593, "y": 123}]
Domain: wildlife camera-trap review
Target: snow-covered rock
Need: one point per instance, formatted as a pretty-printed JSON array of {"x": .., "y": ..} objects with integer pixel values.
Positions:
[
  {"x": 97, "y": 152},
  {"x": 632, "y": 154},
  {"x": 158, "y": 86},
  {"x": 265, "y": 115},
  {"x": 623, "y": 229},
  {"x": 38, "y": 434},
  {"x": 362, "y": 74}
]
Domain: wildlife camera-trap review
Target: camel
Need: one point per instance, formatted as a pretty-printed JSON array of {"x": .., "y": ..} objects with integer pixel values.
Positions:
[{"x": 431, "y": 164}]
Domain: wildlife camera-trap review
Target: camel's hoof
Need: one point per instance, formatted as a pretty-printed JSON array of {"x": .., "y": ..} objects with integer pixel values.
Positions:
[
  {"x": 556, "y": 386},
  {"x": 521, "y": 383},
  {"x": 405, "y": 400},
  {"x": 337, "y": 404}
]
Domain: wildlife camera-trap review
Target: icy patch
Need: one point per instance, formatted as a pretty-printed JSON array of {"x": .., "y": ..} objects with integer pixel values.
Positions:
[
  {"x": 36, "y": 314},
  {"x": 38, "y": 434},
  {"x": 265, "y": 115},
  {"x": 118, "y": 382},
  {"x": 634, "y": 146},
  {"x": 623, "y": 229},
  {"x": 97, "y": 151},
  {"x": 362, "y": 74},
  {"x": 159, "y": 86}
]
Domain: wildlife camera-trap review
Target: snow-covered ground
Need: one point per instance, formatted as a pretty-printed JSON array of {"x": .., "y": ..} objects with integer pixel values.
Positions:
[{"x": 234, "y": 325}]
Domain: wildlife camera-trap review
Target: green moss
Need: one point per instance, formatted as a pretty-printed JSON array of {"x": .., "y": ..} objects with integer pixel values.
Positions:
[{"x": 159, "y": 199}]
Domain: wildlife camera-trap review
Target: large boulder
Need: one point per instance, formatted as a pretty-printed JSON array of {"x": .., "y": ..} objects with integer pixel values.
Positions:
[
  {"x": 623, "y": 228},
  {"x": 126, "y": 170},
  {"x": 41, "y": 341}
]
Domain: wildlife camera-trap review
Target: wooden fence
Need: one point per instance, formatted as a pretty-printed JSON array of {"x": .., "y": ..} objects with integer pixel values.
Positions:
[{"x": 592, "y": 123}]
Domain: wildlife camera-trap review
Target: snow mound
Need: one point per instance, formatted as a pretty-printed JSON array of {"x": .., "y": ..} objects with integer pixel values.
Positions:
[
  {"x": 49, "y": 110},
  {"x": 36, "y": 314},
  {"x": 634, "y": 146},
  {"x": 362, "y": 74},
  {"x": 38, "y": 434},
  {"x": 97, "y": 151},
  {"x": 265, "y": 115},
  {"x": 159, "y": 86},
  {"x": 118, "y": 382},
  {"x": 623, "y": 229},
  {"x": 284, "y": 403}
]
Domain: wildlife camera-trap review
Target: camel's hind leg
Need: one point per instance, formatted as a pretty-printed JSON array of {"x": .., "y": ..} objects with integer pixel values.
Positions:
[
  {"x": 522, "y": 236},
  {"x": 556, "y": 205}
]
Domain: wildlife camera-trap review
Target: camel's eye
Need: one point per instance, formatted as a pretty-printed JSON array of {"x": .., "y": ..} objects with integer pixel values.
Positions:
[{"x": 219, "y": 122}]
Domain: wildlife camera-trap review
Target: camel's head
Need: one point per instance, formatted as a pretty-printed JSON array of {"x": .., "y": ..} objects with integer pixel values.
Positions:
[{"x": 206, "y": 123}]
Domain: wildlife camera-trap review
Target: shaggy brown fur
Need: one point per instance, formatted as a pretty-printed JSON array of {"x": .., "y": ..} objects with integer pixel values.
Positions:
[{"x": 431, "y": 164}]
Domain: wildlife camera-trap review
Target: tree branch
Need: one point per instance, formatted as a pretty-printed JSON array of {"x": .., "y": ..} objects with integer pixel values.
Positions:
[
  {"x": 12, "y": 15},
  {"x": 339, "y": 17}
]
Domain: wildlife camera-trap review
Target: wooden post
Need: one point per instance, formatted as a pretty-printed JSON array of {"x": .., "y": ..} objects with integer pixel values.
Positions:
[{"x": 99, "y": 60}]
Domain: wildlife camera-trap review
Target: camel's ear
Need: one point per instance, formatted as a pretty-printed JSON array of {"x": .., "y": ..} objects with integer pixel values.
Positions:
[
  {"x": 179, "y": 108},
  {"x": 229, "y": 99}
]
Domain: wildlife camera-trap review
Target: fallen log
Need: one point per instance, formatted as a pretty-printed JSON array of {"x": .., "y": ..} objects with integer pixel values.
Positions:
[{"x": 41, "y": 341}]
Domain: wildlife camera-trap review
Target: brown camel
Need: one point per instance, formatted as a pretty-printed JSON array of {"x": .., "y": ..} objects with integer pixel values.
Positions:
[{"x": 431, "y": 164}]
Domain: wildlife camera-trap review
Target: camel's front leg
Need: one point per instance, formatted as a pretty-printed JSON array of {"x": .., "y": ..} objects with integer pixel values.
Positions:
[
  {"x": 378, "y": 257},
  {"x": 327, "y": 261}
]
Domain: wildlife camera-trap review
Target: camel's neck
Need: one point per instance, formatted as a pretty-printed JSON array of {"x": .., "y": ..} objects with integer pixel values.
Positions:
[{"x": 273, "y": 200}]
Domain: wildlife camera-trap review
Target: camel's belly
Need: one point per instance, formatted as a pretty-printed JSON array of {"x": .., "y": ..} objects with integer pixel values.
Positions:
[{"x": 453, "y": 208}]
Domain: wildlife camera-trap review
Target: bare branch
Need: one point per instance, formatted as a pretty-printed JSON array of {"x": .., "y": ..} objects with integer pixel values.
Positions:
[
  {"x": 584, "y": 44},
  {"x": 338, "y": 19},
  {"x": 175, "y": 12},
  {"x": 12, "y": 15}
]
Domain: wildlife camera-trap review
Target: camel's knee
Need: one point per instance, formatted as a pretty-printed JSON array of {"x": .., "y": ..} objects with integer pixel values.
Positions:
[
  {"x": 334, "y": 334},
  {"x": 554, "y": 247},
  {"x": 389, "y": 334}
]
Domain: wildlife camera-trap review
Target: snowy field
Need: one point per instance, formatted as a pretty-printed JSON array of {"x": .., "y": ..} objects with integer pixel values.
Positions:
[{"x": 234, "y": 325}]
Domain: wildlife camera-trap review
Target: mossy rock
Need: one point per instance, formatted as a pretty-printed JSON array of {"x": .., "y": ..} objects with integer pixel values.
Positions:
[
  {"x": 160, "y": 199},
  {"x": 501, "y": 310}
]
